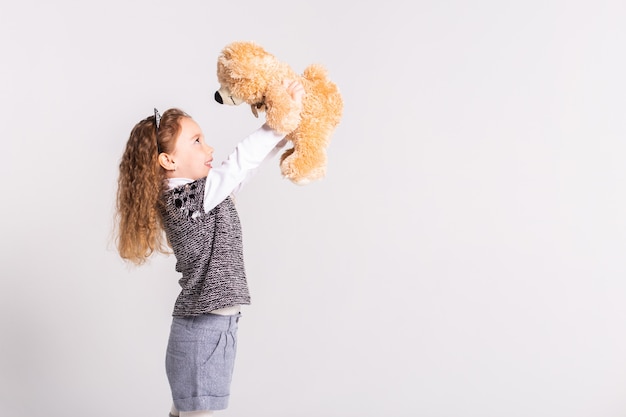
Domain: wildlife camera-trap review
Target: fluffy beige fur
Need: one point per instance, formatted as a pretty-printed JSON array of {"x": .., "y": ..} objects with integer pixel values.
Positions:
[{"x": 249, "y": 74}]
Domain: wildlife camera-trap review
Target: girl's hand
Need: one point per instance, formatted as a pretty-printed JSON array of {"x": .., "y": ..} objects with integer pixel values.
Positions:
[{"x": 295, "y": 90}]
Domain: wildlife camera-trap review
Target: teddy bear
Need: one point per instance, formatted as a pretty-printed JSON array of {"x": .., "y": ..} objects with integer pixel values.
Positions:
[{"x": 247, "y": 73}]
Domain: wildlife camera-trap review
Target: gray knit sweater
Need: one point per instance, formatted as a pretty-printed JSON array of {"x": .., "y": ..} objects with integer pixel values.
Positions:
[{"x": 208, "y": 249}]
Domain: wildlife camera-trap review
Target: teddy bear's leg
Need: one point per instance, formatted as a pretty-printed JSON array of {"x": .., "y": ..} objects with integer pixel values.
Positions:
[{"x": 306, "y": 161}]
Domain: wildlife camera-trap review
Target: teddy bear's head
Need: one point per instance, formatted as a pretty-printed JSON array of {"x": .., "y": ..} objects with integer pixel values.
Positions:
[{"x": 245, "y": 72}]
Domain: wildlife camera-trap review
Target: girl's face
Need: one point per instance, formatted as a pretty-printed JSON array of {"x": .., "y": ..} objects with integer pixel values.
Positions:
[{"x": 191, "y": 157}]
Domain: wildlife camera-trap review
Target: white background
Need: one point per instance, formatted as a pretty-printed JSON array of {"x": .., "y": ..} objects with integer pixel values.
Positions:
[{"x": 463, "y": 257}]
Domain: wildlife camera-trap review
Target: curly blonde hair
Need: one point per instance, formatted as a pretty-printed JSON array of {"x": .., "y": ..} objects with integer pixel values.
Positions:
[{"x": 140, "y": 184}]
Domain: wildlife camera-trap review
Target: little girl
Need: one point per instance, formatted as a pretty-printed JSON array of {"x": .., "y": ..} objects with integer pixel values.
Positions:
[{"x": 167, "y": 183}]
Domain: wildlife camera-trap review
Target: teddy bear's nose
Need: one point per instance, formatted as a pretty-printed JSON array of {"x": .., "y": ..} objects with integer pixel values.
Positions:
[{"x": 218, "y": 97}]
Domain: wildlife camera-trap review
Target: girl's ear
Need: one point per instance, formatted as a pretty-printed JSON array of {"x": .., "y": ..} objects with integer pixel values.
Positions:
[{"x": 166, "y": 162}]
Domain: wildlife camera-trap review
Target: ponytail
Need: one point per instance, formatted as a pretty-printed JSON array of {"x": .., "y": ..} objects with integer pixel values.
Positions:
[{"x": 141, "y": 182}]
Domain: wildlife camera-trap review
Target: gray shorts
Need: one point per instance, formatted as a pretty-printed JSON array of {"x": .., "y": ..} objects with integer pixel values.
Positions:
[{"x": 200, "y": 360}]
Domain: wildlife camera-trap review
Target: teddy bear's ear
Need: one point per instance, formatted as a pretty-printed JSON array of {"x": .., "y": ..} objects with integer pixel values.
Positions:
[
  {"x": 245, "y": 60},
  {"x": 225, "y": 65}
]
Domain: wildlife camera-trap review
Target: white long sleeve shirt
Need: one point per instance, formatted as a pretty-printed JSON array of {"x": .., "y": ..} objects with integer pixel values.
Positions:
[{"x": 228, "y": 178}]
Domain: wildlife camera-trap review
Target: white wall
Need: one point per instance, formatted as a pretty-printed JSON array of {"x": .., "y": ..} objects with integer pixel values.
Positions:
[{"x": 463, "y": 257}]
